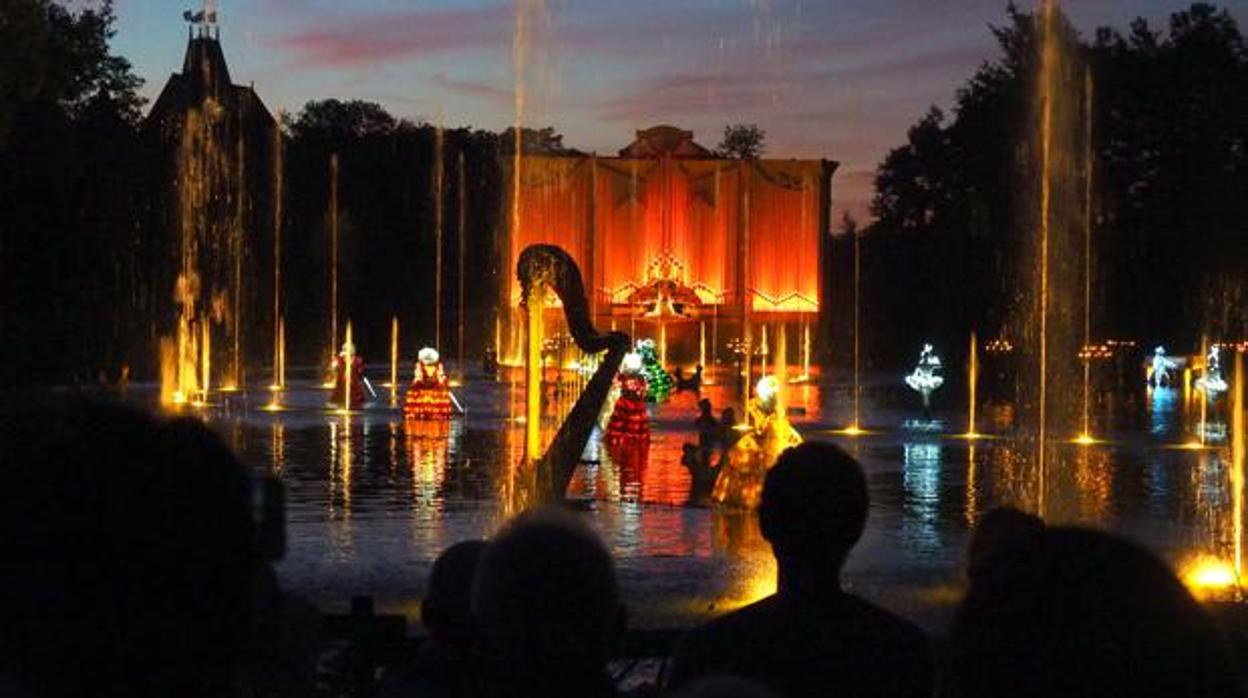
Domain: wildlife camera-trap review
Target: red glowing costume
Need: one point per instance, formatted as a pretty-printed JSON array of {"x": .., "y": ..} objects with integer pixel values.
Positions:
[
  {"x": 629, "y": 421},
  {"x": 429, "y": 396},
  {"x": 357, "y": 380}
]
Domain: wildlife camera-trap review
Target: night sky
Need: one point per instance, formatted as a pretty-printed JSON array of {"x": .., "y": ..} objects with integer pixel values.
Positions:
[{"x": 837, "y": 79}]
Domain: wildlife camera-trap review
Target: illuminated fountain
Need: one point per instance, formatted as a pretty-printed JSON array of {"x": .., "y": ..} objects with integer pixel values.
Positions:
[
  {"x": 462, "y": 230},
  {"x": 926, "y": 378},
  {"x": 333, "y": 254},
  {"x": 279, "y": 330},
  {"x": 1219, "y": 576},
  {"x": 220, "y": 144},
  {"x": 394, "y": 361},
  {"x": 855, "y": 427},
  {"x": 1053, "y": 316},
  {"x": 439, "y": 168},
  {"x": 972, "y": 380},
  {"x": 1085, "y": 434}
]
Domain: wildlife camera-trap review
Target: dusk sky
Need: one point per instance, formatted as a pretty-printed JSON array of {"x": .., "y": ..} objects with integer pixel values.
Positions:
[{"x": 840, "y": 79}]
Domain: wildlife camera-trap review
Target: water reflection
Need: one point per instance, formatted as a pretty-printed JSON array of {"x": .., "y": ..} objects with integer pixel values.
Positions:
[
  {"x": 1163, "y": 406},
  {"x": 372, "y": 500},
  {"x": 921, "y": 480}
]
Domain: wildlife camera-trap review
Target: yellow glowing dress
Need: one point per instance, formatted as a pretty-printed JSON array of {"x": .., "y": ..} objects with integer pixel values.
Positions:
[{"x": 740, "y": 481}]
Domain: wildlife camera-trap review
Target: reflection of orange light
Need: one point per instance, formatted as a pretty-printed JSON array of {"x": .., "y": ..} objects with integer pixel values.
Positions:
[
  {"x": 851, "y": 430},
  {"x": 1084, "y": 440}
]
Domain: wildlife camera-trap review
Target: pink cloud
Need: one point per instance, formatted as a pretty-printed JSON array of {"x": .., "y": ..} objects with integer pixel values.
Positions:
[
  {"x": 474, "y": 88},
  {"x": 351, "y": 41}
]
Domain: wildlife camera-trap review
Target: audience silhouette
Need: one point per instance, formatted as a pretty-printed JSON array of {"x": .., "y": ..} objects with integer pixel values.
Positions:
[
  {"x": 811, "y": 637},
  {"x": 724, "y": 687},
  {"x": 997, "y": 530},
  {"x": 135, "y": 563},
  {"x": 129, "y": 558},
  {"x": 446, "y": 664},
  {"x": 547, "y": 608},
  {"x": 1082, "y": 614}
]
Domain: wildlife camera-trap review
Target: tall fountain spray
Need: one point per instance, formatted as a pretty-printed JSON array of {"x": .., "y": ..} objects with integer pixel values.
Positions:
[
  {"x": 236, "y": 251},
  {"x": 1085, "y": 434},
  {"x": 462, "y": 231},
  {"x": 205, "y": 362},
  {"x": 207, "y": 291},
  {"x": 782, "y": 369},
  {"x": 855, "y": 427},
  {"x": 806, "y": 350},
  {"x": 1237, "y": 462},
  {"x": 1048, "y": 93},
  {"x": 1054, "y": 220},
  {"x": 702, "y": 343},
  {"x": 333, "y": 256},
  {"x": 536, "y": 304},
  {"x": 348, "y": 367},
  {"x": 439, "y": 172},
  {"x": 279, "y": 374},
  {"x": 1204, "y": 393},
  {"x": 394, "y": 361},
  {"x": 972, "y": 381}
]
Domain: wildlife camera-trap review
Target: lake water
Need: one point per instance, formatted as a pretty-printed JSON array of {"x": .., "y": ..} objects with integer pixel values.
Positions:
[{"x": 372, "y": 502}]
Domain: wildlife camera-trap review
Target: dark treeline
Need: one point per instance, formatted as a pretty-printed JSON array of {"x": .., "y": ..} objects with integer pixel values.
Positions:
[
  {"x": 949, "y": 251},
  {"x": 387, "y": 223},
  {"x": 70, "y": 174}
]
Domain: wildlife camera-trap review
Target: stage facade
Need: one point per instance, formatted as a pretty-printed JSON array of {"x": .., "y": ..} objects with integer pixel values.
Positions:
[{"x": 700, "y": 253}]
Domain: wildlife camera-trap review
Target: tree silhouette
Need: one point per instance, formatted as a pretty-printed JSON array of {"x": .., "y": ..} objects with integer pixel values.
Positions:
[{"x": 742, "y": 142}]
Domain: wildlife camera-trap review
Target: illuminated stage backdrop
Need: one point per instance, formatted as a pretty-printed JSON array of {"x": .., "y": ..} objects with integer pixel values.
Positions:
[{"x": 674, "y": 242}]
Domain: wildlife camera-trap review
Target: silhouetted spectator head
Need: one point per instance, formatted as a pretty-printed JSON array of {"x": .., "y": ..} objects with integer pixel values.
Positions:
[
  {"x": 998, "y": 529},
  {"x": 705, "y": 408},
  {"x": 814, "y": 506},
  {"x": 724, "y": 687},
  {"x": 1081, "y": 614},
  {"x": 129, "y": 555},
  {"x": 545, "y": 599},
  {"x": 446, "y": 610}
]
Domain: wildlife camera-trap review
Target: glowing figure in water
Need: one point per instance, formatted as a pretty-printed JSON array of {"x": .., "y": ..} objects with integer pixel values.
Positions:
[
  {"x": 926, "y": 378},
  {"x": 740, "y": 481},
  {"x": 659, "y": 380},
  {"x": 348, "y": 369},
  {"x": 1212, "y": 384},
  {"x": 1159, "y": 371},
  {"x": 429, "y": 395},
  {"x": 629, "y": 421}
]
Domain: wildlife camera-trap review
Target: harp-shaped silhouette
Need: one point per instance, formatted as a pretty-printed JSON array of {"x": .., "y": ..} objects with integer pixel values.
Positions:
[{"x": 548, "y": 266}]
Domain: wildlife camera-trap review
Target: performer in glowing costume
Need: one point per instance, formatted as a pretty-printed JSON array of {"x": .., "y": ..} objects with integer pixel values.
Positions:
[
  {"x": 429, "y": 395},
  {"x": 659, "y": 381},
  {"x": 1159, "y": 371},
  {"x": 740, "y": 481},
  {"x": 925, "y": 378},
  {"x": 358, "y": 392},
  {"x": 629, "y": 421},
  {"x": 1212, "y": 384}
]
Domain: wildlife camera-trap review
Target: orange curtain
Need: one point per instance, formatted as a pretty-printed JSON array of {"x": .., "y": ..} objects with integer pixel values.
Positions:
[
  {"x": 783, "y": 254},
  {"x": 706, "y": 242},
  {"x": 553, "y": 208},
  {"x": 626, "y": 216}
]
